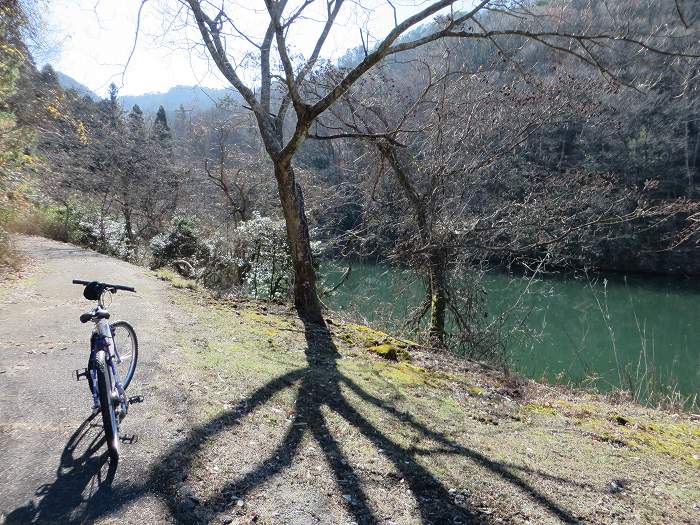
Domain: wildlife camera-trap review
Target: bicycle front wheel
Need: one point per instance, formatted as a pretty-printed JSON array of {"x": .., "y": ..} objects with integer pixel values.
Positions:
[
  {"x": 109, "y": 416},
  {"x": 127, "y": 347}
]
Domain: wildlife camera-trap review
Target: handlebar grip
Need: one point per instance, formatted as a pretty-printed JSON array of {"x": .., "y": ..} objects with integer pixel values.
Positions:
[
  {"x": 120, "y": 287},
  {"x": 78, "y": 281}
]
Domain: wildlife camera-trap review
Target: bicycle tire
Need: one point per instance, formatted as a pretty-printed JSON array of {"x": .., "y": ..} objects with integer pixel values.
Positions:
[
  {"x": 119, "y": 327},
  {"x": 109, "y": 416}
]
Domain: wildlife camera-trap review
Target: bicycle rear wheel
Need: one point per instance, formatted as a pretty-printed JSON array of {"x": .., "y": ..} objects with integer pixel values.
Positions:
[
  {"x": 104, "y": 392},
  {"x": 127, "y": 346}
]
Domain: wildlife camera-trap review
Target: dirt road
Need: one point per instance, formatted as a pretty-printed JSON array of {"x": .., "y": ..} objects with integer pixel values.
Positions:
[{"x": 53, "y": 467}]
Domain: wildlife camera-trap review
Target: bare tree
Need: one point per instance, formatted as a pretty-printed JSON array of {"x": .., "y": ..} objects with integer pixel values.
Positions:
[
  {"x": 233, "y": 171},
  {"x": 454, "y": 137},
  {"x": 588, "y": 40},
  {"x": 442, "y": 136}
]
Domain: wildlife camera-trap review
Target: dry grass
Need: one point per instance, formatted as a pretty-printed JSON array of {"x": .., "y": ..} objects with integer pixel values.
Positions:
[
  {"x": 168, "y": 275},
  {"x": 11, "y": 261}
]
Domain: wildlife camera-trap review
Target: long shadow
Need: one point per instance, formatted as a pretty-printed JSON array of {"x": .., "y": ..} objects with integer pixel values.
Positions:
[
  {"x": 501, "y": 469},
  {"x": 433, "y": 499},
  {"x": 319, "y": 385},
  {"x": 83, "y": 469},
  {"x": 507, "y": 466}
]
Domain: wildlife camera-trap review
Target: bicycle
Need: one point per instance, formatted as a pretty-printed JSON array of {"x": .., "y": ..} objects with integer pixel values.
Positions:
[{"x": 112, "y": 362}]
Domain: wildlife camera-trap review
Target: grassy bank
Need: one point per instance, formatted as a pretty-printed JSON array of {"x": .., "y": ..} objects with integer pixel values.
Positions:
[{"x": 294, "y": 424}]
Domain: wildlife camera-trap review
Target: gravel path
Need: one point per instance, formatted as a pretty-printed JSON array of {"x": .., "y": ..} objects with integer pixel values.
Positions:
[{"x": 55, "y": 469}]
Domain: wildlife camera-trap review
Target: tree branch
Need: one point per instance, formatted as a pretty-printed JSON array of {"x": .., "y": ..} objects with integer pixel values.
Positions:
[
  {"x": 212, "y": 39},
  {"x": 384, "y": 49}
]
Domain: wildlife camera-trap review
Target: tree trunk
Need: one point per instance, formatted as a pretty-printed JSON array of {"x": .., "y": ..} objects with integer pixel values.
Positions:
[
  {"x": 306, "y": 298},
  {"x": 688, "y": 170},
  {"x": 128, "y": 228},
  {"x": 438, "y": 297},
  {"x": 437, "y": 260},
  {"x": 691, "y": 151},
  {"x": 103, "y": 228}
]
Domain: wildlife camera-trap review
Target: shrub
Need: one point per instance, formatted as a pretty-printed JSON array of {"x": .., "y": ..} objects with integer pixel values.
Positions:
[
  {"x": 254, "y": 257},
  {"x": 105, "y": 235},
  {"x": 224, "y": 269},
  {"x": 182, "y": 240},
  {"x": 52, "y": 221}
]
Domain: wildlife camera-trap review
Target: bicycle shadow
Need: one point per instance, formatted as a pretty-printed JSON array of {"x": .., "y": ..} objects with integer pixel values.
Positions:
[
  {"x": 82, "y": 479},
  {"x": 320, "y": 385}
]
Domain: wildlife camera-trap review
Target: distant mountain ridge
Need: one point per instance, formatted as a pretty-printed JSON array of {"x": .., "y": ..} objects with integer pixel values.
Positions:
[
  {"x": 190, "y": 97},
  {"x": 196, "y": 98},
  {"x": 68, "y": 82}
]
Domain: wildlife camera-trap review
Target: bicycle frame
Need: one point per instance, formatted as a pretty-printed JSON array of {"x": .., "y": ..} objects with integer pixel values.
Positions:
[
  {"x": 101, "y": 339},
  {"x": 106, "y": 387}
]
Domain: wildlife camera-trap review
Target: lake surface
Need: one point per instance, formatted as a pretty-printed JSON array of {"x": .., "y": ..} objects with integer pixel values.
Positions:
[{"x": 648, "y": 325}]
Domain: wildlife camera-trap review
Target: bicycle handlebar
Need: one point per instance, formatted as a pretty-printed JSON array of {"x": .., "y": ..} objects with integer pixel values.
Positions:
[{"x": 106, "y": 285}]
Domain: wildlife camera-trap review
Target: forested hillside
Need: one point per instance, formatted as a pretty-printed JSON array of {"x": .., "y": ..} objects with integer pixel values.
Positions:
[{"x": 448, "y": 158}]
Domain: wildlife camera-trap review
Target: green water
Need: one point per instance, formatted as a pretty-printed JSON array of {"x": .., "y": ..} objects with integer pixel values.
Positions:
[{"x": 653, "y": 322}]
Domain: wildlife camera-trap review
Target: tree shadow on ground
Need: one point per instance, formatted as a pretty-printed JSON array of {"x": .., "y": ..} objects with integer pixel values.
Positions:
[
  {"x": 319, "y": 385},
  {"x": 83, "y": 468}
]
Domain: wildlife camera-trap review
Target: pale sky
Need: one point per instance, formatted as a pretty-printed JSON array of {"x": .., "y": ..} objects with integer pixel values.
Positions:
[{"x": 93, "y": 38}]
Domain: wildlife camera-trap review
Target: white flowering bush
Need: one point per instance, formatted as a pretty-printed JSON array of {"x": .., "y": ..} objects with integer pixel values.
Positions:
[
  {"x": 105, "y": 235},
  {"x": 253, "y": 258},
  {"x": 223, "y": 270},
  {"x": 79, "y": 224},
  {"x": 261, "y": 244}
]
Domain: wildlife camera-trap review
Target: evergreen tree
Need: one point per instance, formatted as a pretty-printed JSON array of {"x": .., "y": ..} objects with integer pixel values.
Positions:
[
  {"x": 136, "y": 124},
  {"x": 180, "y": 127},
  {"x": 113, "y": 92},
  {"x": 113, "y": 106},
  {"x": 48, "y": 75},
  {"x": 160, "y": 126}
]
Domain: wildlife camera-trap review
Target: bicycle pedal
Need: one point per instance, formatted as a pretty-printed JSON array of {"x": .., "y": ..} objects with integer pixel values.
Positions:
[
  {"x": 129, "y": 440},
  {"x": 79, "y": 374},
  {"x": 135, "y": 399}
]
